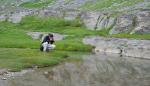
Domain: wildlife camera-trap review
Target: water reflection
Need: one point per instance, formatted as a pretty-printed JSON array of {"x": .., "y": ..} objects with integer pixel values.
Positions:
[{"x": 93, "y": 70}]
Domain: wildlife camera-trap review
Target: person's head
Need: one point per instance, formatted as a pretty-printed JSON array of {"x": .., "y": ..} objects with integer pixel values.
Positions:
[{"x": 50, "y": 35}]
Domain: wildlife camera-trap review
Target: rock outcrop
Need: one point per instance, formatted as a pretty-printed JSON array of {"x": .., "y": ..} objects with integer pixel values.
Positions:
[
  {"x": 90, "y": 19},
  {"x": 97, "y": 20},
  {"x": 127, "y": 47},
  {"x": 124, "y": 24},
  {"x": 142, "y": 22},
  {"x": 138, "y": 22},
  {"x": 41, "y": 35},
  {"x": 133, "y": 23}
]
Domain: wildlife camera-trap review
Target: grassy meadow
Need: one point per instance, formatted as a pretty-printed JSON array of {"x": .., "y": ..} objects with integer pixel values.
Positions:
[{"x": 19, "y": 51}]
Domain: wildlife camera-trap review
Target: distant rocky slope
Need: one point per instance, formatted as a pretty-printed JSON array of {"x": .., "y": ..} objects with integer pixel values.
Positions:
[
  {"x": 138, "y": 22},
  {"x": 115, "y": 16}
]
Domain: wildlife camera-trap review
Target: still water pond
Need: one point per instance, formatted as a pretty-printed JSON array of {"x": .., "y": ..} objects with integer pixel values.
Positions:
[{"x": 93, "y": 70}]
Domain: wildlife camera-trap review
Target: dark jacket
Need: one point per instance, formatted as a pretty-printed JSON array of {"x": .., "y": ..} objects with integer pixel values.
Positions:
[{"x": 48, "y": 39}]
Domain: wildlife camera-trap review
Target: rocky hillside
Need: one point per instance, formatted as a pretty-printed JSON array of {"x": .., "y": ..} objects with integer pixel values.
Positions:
[{"x": 112, "y": 16}]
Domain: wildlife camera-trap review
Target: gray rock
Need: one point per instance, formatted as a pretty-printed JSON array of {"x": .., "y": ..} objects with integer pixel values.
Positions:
[
  {"x": 35, "y": 35},
  {"x": 3, "y": 18},
  {"x": 105, "y": 22},
  {"x": 111, "y": 22},
  {"x": 90, "y": 19},
  {"x": 124, "y": 24},
  {"x": 101, "y": 22},
  {"x": 68, "y": 4},
  {"x": 50, "y": 12},
  {"x": 41, "y": 35},
  {"x": 143, "y": 22},
  {"x": 71, "y": 15},
  {"x": 127, "y": 47},
  {"x": 17, "y": 17},
  {"x": 3, "y": 78},
  {"x": 3, "y": 71}
]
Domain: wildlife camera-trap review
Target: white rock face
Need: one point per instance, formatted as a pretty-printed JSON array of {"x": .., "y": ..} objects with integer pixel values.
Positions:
[{"x": 127, "y": 47}]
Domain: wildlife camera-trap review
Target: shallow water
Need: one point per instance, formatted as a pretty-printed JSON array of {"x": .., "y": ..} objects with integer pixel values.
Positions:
[{"x": 93, "y": 70}]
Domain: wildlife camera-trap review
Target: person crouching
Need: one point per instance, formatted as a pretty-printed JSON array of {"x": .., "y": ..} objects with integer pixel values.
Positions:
[{"x": 48, "y": 43}]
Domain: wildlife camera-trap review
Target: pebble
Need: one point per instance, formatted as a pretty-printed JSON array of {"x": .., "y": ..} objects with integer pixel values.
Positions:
[{"x": 3, "y": 78}]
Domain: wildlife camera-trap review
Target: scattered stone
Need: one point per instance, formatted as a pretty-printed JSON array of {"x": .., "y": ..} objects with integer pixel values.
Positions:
[
  {"x": 45, "y": 73},
  {"x": 4, "y": 78},
  {"x": 49, "y": 75},
  {"x": 3, "y": 71}
]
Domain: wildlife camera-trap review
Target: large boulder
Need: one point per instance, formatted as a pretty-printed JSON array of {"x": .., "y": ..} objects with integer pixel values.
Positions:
[
  {"x": 126, "y": 47},
  {"x": 124, "y": 24},
  {"x": 143, "y": 22}
]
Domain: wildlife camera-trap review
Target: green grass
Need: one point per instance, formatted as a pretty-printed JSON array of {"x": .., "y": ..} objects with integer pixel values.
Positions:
[
  {"x": 36, "y": 4},
  {"x": 59, "y": 25},
  {"x": 17, "y": 59},
  {"x": 12, "y": 37},
  {"x": 110, "y": 4},
  {"x": 33, "y": 23},
  {"x": 134, "y": 36},
  {"x": 18, "y": 50},
  {"x": 73, "y": 45}
]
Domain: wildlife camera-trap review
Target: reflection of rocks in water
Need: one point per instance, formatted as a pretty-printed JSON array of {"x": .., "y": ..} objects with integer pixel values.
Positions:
[
  {"x": 93, "y": 70},
  {"x": 106, "y": 70},
  {"x": 49, "y": 75}
]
